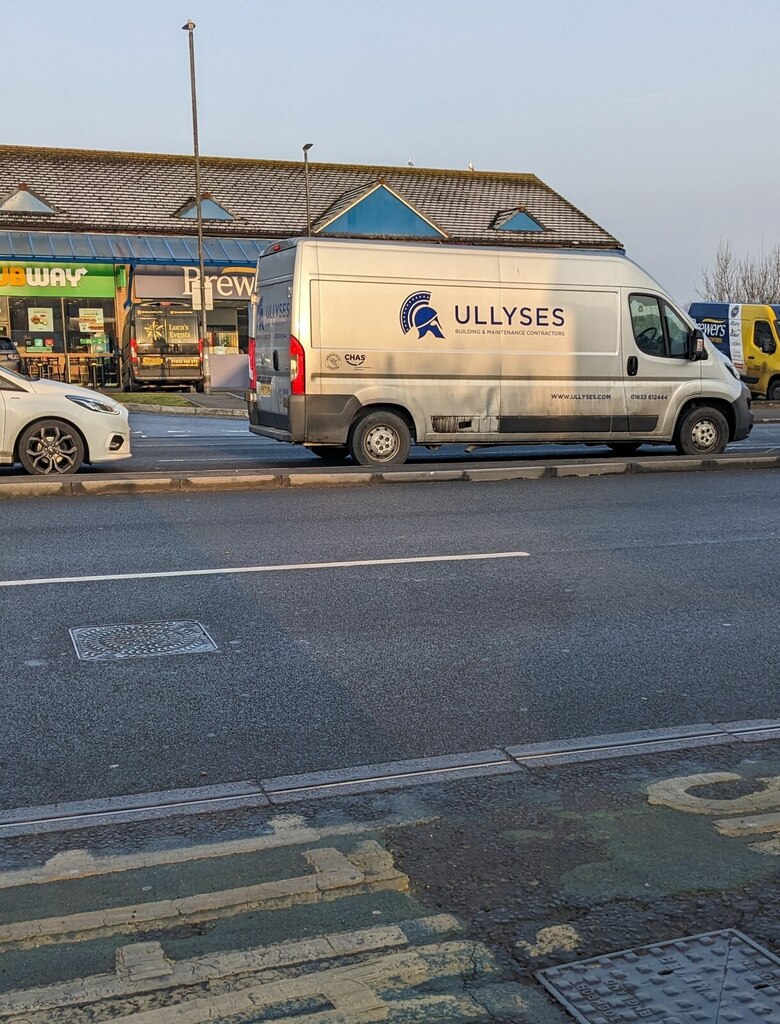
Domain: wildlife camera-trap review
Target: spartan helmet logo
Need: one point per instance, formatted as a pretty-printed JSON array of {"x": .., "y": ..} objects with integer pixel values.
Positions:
[{"x": 416, "y": 312}]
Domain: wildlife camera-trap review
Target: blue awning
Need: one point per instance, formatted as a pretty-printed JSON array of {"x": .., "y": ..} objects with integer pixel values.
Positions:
[{"x": 138, "y": 250}]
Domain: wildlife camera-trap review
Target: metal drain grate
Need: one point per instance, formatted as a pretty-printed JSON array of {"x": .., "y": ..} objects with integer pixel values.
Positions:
[
  {"x": 716, "y": 978},
  {"x": 140, "y": 640}
]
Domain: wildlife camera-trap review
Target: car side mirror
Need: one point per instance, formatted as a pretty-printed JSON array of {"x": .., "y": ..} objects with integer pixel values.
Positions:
[{"x": 695, "y": 345}]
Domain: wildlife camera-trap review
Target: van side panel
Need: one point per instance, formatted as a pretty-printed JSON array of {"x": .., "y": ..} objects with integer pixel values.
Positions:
[
  {"x": 476, "y": 345},
  {"x": 382, "y": 342},
  {"x": 561, "y": 365}
]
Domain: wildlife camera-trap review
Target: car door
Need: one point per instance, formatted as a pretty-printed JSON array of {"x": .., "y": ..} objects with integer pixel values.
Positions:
[{"x": 659, "y": 373}]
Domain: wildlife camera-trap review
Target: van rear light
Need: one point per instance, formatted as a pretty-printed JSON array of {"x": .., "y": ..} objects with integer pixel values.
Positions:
[
  {"x": 200, "y": 353},
  {"x": 134, "y": 351},
  {"x": 297, "y": 368},
  {"x": 252, "y": 363}
]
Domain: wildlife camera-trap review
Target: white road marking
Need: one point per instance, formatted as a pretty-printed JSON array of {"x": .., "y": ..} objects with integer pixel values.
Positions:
[
  {"x": 214, "y": 458},
  {"x": 290, "y": 567}
]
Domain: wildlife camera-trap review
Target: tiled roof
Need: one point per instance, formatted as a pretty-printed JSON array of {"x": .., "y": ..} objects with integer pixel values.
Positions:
[{"x": 132, "y": 193}]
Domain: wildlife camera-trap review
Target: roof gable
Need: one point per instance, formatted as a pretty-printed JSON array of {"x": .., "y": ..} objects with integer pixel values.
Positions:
[
  {"x": 24, "y": 200},
  {"x": 209, "y": 210},
  {"x": 376, "y": 211},
  {"x": 516, "y": 220}
]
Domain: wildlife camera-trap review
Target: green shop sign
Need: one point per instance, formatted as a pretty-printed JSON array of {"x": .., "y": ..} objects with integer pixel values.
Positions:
[{"x": 93, "y": 280}]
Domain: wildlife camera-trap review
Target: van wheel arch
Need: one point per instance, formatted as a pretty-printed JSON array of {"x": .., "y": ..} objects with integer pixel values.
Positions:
[
  {"x": 719, "y": 404},
  {"x": 399, "y": 410},
  {"x": 773, "y": 385},
  {"x": 381, "y": 436}
]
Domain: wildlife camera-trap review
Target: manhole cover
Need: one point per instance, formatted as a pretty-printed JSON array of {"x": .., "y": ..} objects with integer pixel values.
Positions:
[
  {"x": 715, "y": 978},
  {"x": 140, "y": 640}
]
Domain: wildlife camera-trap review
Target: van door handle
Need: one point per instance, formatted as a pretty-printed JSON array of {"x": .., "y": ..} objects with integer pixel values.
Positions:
[
  {"x": 276, "y": 360},
  {"x": 632, "y": 367}
]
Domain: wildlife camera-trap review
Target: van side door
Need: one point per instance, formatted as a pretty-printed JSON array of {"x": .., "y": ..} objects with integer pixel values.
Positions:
[
  {"x": 561, "y": 363},
  {"x": 659, "y": 376}
]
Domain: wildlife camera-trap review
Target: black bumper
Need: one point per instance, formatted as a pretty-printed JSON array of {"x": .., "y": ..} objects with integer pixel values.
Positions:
[
  {"x": 743, "y": 417},
  {"x": 309, "y": 419}
]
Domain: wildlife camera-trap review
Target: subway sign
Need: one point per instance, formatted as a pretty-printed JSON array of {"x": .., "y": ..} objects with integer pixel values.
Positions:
[{"x": 60, "y": 280}]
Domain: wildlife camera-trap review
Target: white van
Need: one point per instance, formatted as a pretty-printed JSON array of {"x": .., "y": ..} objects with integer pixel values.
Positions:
[{"x": 363, "y": 348}]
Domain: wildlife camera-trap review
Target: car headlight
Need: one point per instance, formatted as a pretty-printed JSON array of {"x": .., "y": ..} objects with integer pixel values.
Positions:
[{"x": 87, "y": 402}]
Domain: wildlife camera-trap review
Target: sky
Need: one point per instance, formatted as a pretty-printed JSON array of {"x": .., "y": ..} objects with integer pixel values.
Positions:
[{"x": 655, "y": 118}]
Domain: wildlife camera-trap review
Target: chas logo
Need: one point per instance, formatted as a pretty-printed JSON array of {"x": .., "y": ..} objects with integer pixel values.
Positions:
[{"x": 416, "y": 312}]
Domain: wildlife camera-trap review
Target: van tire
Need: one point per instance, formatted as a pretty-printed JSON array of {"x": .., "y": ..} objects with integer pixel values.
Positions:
[
  {"x": 702, "y": 431},
  {"x": 624, "y": 447},
  {"x": 380, "y": 439},
  {"x": 773, "y": 391},
  {"x": 331, "y": 453}
]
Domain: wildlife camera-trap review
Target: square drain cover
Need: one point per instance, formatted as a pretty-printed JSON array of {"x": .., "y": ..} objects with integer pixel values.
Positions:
[
  {"x": 716, "y": 978},
  {"x": 140, "y": 640}
]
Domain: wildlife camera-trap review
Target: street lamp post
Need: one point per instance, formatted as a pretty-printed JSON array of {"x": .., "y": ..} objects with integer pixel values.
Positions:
[
  {"x": 189, "y": 27},
  {"x": 306, "y": 149}
]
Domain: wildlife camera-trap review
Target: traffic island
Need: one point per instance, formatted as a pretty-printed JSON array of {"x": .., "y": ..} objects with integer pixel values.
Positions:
[{"x": 19, "y": 486}]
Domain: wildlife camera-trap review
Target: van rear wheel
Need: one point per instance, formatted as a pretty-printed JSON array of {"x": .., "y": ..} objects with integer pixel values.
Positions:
[
  {"x": 702, "y": 431},
  {"x": 380, "y": 439}
]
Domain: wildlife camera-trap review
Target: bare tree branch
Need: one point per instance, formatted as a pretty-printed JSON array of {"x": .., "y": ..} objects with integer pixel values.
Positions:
[{"x": 749, "y": 279}]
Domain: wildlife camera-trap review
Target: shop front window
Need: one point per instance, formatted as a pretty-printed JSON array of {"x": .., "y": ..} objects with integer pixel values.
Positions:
[
  {"x": 36, "y": 325},
  {"x": 91, "y": 326}
]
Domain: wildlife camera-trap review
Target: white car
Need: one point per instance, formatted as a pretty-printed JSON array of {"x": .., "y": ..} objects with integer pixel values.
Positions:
[{"x": 52, "y": 428}]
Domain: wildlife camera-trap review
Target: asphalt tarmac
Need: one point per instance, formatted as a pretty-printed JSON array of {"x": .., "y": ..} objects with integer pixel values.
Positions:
[{"x": 625, "y": 603}]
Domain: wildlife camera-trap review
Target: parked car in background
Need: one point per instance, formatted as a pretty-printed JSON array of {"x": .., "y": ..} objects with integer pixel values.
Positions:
[
  {"x": 9, "y": 355},
  {"x": 161, "y": 348},
  {"x": 53, "y": 428}
]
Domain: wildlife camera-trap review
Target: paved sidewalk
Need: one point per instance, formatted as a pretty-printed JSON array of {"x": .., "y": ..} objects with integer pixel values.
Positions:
[
  {"x": 434, "y": 902},
  {"x": 229, "y": 400}
]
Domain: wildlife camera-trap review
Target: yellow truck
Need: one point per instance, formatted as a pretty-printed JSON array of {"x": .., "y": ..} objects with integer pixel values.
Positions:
[{"x": 749, "y": 334}]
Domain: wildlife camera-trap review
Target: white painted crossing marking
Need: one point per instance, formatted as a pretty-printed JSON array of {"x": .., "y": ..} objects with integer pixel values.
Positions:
[{"x": 289, "y": 567}]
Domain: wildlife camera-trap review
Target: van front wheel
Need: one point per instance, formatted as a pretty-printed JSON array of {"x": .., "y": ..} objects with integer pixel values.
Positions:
[
  {"x": 703, "y": 431},
  {"x": 380, "y": 439}
]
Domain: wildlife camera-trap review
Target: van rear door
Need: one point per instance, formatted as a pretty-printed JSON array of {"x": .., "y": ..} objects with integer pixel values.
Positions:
[{"x": 273, "y": 328}]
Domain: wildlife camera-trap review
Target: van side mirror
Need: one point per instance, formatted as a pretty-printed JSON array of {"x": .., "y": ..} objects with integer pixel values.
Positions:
[{"x": 695, "y": 345}]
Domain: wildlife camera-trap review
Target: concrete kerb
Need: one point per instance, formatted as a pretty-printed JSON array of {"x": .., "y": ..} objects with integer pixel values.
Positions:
[
  {"x": 188, "y": 481},
  {"x": 177, "y": 410}
]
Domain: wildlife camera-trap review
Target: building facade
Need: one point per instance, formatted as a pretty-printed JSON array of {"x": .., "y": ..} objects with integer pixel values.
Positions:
[{"x": 88, "y": 238}]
